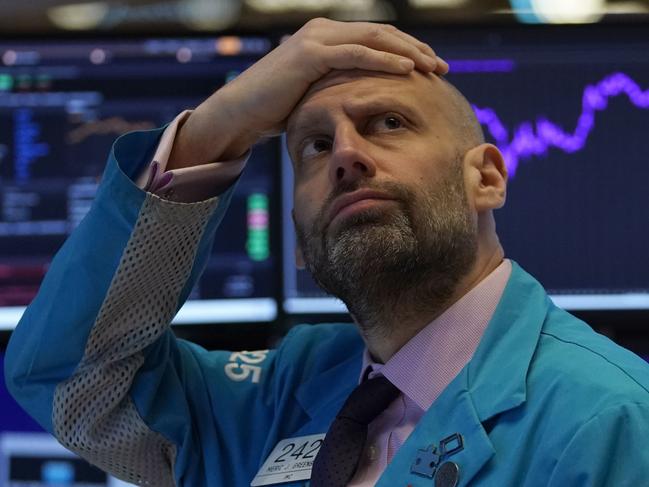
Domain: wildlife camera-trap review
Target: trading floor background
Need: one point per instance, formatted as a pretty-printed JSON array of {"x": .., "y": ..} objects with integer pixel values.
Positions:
[{"x": 562, "y": 90}]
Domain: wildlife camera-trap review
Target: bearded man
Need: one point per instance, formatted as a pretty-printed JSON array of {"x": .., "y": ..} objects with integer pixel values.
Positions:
[{"x": 459, "y": 369}]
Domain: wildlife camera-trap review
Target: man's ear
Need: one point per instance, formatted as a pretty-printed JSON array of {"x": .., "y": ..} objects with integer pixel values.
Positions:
[
  {"x": 299, "y": 256},
  {"x": 486, "y": 177}
]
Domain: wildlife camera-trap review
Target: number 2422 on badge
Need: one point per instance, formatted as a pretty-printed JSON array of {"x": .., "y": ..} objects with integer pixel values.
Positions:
[{"x": 291, "y": 460}]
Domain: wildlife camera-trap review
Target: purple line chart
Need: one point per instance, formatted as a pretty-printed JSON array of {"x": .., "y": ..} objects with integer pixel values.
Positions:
[
  {"x": 535, "y": 139},
  {"x": 573, "y": 135}
]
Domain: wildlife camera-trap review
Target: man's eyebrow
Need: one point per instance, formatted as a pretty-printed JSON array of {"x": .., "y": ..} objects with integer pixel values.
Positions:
[
  {"x": 304, "y": 119},
  {"x": 359, "y": 108}
]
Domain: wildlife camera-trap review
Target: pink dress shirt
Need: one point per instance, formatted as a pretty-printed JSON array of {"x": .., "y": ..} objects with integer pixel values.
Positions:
[
  {"x": 189, "y": 184},
  {"x": 443, "y": 347}
]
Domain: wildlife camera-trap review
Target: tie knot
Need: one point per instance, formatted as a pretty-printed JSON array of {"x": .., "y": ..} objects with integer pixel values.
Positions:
[{"x": 368, "y": 400}]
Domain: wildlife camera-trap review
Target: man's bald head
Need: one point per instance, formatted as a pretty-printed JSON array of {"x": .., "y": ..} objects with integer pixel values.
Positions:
[{"x": 463, "y": 117}]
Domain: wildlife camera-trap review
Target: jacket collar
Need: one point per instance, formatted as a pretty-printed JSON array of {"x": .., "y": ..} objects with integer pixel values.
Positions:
[
  {"x": 496, "y": 376},
  {"x": 494, "y": 381}
]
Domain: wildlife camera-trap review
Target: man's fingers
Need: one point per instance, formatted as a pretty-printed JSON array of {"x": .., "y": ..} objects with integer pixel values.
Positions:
[
  {"x": 356, "y": 56},
  {"x": 441, "y": 66},
  {"x": 381, "y": 37},
  {"x": 394, "y": 42}
]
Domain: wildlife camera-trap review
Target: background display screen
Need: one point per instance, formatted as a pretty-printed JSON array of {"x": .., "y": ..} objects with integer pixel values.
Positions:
[{"x": 62, "y": 105}]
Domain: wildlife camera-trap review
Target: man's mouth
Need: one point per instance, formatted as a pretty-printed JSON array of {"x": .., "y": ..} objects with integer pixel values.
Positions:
[{"x": 356, "y": 202}]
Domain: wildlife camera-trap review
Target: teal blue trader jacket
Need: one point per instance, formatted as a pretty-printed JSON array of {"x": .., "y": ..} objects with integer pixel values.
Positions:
[{"x": 545, "y": 401}]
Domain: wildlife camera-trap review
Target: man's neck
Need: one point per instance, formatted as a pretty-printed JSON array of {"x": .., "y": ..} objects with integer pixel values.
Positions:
[{"x": 398, "y": 318}]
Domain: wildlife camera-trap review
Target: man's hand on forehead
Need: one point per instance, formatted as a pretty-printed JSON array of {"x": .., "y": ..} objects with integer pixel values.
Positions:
[
  {"x": 367, "y": 46},
  {"x": 259, "y": 101},
  {"x": 324, "y": 45}
]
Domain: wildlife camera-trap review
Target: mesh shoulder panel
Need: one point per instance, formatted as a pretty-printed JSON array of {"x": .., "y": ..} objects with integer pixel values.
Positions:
[{"x": 93, "y": 414}]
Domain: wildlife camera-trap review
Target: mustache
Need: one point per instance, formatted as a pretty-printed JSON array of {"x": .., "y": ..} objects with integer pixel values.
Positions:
[{"x": 397, "y": 191}]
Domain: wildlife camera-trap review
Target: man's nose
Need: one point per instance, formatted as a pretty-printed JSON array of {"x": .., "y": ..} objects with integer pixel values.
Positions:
[{"x": 350, "y": 158}]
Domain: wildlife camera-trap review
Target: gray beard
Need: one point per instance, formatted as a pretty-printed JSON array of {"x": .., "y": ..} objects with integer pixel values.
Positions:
[{"x": 396, "y": 264}]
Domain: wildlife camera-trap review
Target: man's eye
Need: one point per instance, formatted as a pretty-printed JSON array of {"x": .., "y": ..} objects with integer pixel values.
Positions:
[
  {"x": 392, "y": 122},
  {"x": 314, "y": 147},
  {"x": 387, "y": 123}
]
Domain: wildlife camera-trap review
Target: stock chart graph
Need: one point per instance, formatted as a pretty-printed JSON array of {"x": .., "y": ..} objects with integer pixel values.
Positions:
[
  {"x": 536, "y": 138},
  {"x": 577, "y": 204}
]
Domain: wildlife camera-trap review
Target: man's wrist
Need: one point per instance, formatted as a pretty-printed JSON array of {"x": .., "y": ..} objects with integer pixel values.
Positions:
[{"x": 211, "y": 133}]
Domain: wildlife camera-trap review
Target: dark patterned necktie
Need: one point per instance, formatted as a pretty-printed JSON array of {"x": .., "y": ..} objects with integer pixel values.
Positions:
[{"x": 341, "y": 451}]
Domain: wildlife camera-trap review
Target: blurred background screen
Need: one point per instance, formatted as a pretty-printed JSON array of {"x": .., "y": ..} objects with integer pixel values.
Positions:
[{"x": 63, "y": 103}]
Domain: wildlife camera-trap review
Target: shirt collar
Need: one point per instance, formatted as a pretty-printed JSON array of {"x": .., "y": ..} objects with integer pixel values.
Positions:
[{"x": 430, "y": 360}]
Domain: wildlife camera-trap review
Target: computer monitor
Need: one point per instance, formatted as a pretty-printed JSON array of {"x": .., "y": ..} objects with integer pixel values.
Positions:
[
  {"x": 64, "y": 102},
  {"x": 569, "y": 108}
]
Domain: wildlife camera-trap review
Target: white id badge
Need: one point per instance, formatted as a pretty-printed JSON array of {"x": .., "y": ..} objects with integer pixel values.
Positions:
[{"x": 291, "y": 460}]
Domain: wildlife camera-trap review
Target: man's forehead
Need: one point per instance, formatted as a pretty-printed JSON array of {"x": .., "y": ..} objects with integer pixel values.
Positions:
[
  {"x": 341, "y": 76},
  {"x": 337, "y": 81}
]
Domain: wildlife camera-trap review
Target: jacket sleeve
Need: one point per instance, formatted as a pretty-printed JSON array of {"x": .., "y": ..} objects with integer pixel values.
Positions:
[
  {"x": 609, "y": 450},
  {"x": 93, "y": 359}
]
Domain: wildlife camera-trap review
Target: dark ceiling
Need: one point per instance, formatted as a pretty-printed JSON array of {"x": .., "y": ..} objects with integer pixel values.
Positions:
[{"x": 46, "y": 16}]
